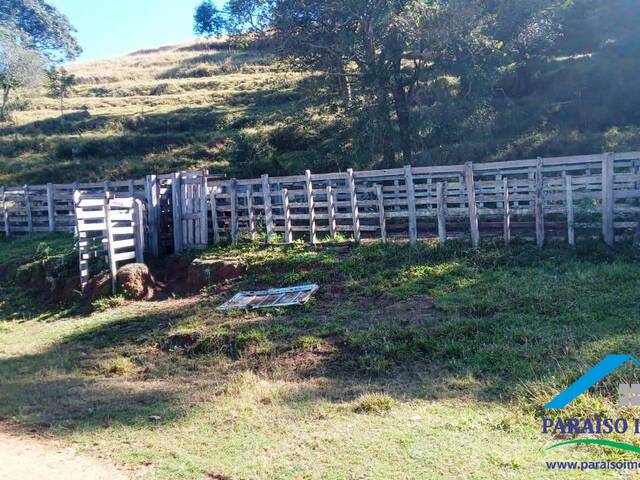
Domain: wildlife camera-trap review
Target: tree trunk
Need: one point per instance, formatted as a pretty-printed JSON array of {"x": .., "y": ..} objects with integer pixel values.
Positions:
[
  {"x": 5, "y": 102},
  {"x": 404, "y": 121},
  {"x": 385, "y": 128},
  {"x": 345, "y": 84}
]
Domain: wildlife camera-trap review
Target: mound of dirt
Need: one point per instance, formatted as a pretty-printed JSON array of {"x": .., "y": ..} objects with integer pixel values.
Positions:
[
  {"x": 201, "y": 273},
  {"x": 99, "y": 286},
  {"x": 136, "y": 281}
]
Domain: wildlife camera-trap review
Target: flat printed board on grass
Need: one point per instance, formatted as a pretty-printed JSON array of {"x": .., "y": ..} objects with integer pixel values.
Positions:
[{"x": 275, "y": 297}]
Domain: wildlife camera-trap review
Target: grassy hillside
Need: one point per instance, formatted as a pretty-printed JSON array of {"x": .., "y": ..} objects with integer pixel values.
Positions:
[
  {"x": 243, "y": 113},
  {"x": 436, "y": 366}
]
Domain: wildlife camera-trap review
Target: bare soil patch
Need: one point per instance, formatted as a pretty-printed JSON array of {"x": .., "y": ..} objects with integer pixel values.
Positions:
[{"x": 30, "y": 458}]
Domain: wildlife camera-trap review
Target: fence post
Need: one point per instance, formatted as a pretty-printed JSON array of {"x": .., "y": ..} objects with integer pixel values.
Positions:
[
  {"x": 233, "y": 192},
  {"x": 608, "y": 200},
  {"x": 51, "y": 208},
  {"x": 153, "y": 211},
  {"x": 507, "y": 211},
  {"x": 74, "y": 187},
  {"x": 27, "y": 206},
  {"x": 268, "y": 209},
  {"x": 138, "y": 230},
  {"x": 381, "y": 214},
  {"x": 5, "y": 213},
  {"x": 83, "y": 263},
  {"x": 442, "y": 212},
  {"x": 568, "y": 200},
  {"x": 176, "y": 210},
  {"x": 411, "y": 203},
  {"x": 311, "y": 207},
  {"x": 473, "y": 207},
  {"x": 204, "y": 210},
  {"x": 287, "y": 216},
  {"x": 354, "y": 205},
  {"x": 214, "y": 214},
  {"x": 539, "y": 203},
  {"x": 113, "y": 268},
  {"x": 252, "y": 221},
  {"x": 331, "y": 208}
]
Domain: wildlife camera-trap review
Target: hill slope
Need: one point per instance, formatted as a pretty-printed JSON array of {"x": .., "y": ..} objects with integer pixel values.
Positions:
[{"x": 240, "y": 112}]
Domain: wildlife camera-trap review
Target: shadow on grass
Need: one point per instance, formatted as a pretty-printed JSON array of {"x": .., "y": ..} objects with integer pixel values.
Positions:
[
  {"x": 63, "y": 388},
  {"x": 436, "y": 322}
]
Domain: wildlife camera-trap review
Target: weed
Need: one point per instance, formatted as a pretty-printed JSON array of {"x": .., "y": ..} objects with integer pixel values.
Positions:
[{"x": 375, "y": 403}]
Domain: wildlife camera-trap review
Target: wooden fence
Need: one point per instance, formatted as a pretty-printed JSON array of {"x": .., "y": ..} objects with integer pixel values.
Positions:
[
  {"x": 559, "y": 197},
  {"x": 562, "y": 197}
]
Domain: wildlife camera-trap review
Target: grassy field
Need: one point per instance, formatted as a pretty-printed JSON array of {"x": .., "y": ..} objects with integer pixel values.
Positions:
[
  {"x": 426, "y": 362},
  {"x": 243, "y": 113}
]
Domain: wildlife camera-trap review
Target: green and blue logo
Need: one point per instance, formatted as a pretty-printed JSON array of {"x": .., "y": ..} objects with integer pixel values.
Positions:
[{"x": 629, "y": 396}]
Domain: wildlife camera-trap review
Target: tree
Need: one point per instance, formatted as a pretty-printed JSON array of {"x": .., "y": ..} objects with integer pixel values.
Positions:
[
  {"x": 32, "y": 31},
  {"x": 60, "y": 87},
  {"x": 37, "y": 25},
  {"x": 249, "y": 16},
  {"x": 208, "y": 20},
  {"x": 20, "y": 67},
  {"x": 396, "y": 60}
]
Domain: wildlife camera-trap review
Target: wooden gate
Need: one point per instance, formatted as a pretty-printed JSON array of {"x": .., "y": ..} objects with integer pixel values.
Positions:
[
  {"x": 109, "y": 229},
  {"x": 180, "y": 211}
]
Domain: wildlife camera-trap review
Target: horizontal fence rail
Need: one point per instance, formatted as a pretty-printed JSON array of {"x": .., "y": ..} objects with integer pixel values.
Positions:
[
  {"x": 539, "y": 199},
  {"x": 560, "y": 197}
]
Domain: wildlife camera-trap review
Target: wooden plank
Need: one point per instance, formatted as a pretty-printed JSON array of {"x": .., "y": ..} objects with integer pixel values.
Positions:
[
  {"x": 176, "y": 210},
  {"x": 153, "y": 214},
  {"x": 121, "y": 257},
  {"x": 472, "y": 207},
  {"x": 83, "y": 264},
  {"x": 313, "y": 237},
  {"x": 506, "y": 206},
  {"x": 113, "y": 267},
  {"x": 251, "y": 215},
  {"x": 51, "y": 208},
  {"x": 381, "y": 213},
  {"x": 127, "y": 243},
  {"x": 411, "y": 203},
  {"x": 331, "y": 211},
  {"x": 442, "y": 211},
  {"x": 571, "y": 226},
  {"x": 288, "y": 234},
  {"x": 138, "y": 215},
  {"x": 355, "y": 214},
  {"x": 608, "y": 201},
  {"x": 233, "y": 192},
  {"x": 214, "y": 214},
  {"x": 27, "y": 204},
  {"x": 539, "y": 203},
  {"x": 268, "y": 209},
  {"x": 204, "y": 210}
]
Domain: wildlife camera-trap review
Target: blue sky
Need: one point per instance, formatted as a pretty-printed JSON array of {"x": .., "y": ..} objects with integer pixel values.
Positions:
[{"x": 108, "y": 28}]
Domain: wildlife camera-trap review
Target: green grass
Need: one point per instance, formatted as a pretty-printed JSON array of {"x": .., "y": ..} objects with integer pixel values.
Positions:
[{"x": 425, "y": 362}]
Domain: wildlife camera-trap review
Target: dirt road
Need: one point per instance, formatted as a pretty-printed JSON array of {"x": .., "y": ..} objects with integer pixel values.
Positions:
[{"x": 28, "y": 458}]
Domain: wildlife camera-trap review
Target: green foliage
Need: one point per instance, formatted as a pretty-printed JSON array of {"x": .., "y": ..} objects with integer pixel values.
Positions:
[
  {"x": 40, "y": 26},
  {"x": 208, "y": 20}
]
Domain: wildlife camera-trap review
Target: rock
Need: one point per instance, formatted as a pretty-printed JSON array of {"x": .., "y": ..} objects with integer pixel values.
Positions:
[
  {"x": 202, "y": 273},
  {"x": 98, "y": 286},
  {"x": 136, "y": 281}
]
